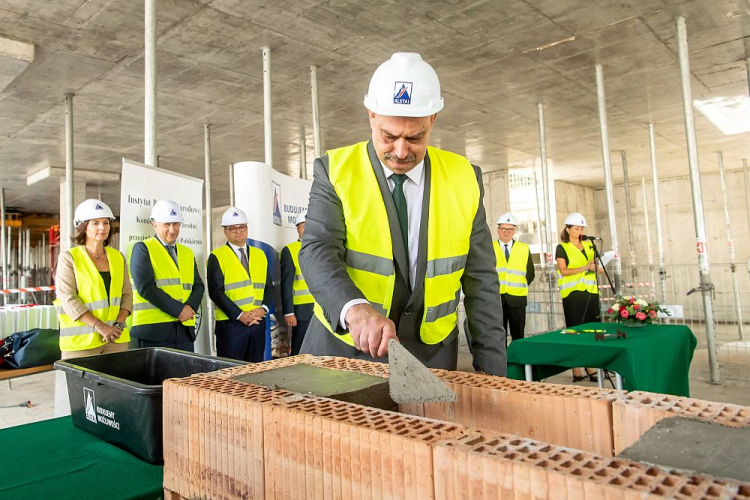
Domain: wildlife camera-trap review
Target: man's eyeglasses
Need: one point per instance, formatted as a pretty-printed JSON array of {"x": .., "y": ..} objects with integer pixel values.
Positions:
[
  {"x": 237, "y": 229},
  {"x": 507, "y": 229}
]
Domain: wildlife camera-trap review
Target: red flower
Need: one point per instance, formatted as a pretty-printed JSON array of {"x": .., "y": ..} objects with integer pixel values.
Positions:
[
  {"x": 631, "y": 301},
  {"x": 636, "y": 306},
  {"x": 652, "y": 314},
  {"x": 624, "y": 313},
  {"x": 610, "y": 311},
  {"x": 640, "y": 316},
  {"x": 622, "y": 308}
]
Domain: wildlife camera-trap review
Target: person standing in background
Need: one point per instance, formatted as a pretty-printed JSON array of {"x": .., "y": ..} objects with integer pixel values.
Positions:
[{"x": 296, "y": 299}]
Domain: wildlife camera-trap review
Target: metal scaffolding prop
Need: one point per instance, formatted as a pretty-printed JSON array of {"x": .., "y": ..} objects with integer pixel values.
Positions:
[
  {"x": 706, "y": 287},
  {"x": 649, "y": 250},
  {"x": 2, "y": 243},
  {"x": 609, "y": 188},
  {"x": 315, "y": 111},
  {"x": 149, "y": 58},
  {"x": 231, "y": 184},
  {"x": 267, "y": 111},
  {"x": 730, "y": 245},
  {"x": 302, "y": 158},
  {"x": 657, "y": 214},
  {"x": 629, "y": 219},
  {"x": 205, "y": 347},
  {"x": 69, "y": 202},
  {"x": 549, "y": 262},
  {"x": 747, "y": 188}
]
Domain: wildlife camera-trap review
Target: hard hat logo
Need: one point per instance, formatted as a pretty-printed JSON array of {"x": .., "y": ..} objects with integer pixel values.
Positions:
[
  {"x": 235, "y": 214},
  {"x": 172, "y": 213},
  {"x": 98, "y": 207},
  {"x": 402, "y": 93}
]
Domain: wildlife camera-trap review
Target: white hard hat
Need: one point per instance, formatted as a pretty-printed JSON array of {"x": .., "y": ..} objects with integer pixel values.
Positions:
[
  {"x": 404, "y": 85},
  {"x": 575, "y": 219},
  {"x": 166, "y": 211},
  {"x": 92, "y": 209},
  {"x": 507, "y": 218},
  {"x": 233, "y": 216},
  {"x": 300, "y": 219}
]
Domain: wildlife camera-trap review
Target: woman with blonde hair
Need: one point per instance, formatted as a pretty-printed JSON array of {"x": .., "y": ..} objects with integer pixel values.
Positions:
[{"x": 94, "y": 296}]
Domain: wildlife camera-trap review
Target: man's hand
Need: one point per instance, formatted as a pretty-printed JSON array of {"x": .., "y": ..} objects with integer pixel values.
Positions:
[
  {"x": 248, "y": 318},
  {"x": 186, "y": 314},
  {"x": 258, "y": 313},
  {"x": 370, "y": 330},
  {"x": 291, "y": 320}
]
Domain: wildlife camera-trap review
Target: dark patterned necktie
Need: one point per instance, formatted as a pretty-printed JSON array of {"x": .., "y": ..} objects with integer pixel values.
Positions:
[{"x": 400, "y": 201}]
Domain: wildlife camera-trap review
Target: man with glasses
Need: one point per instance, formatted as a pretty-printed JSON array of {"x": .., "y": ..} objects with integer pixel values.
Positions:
[
  {"x": 515, "y": 270},
  {"x": 241, "y": 287},
  {"x": 167, "y": 287}
]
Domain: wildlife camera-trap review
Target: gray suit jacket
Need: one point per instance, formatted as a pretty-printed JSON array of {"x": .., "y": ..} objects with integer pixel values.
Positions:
[{"x": 322, "y": 260}]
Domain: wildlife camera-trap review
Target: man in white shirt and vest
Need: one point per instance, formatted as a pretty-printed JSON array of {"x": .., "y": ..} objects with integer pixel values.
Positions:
[
  {"x": 515, "y": 271},
  {"x": 241, "y": 287},
  {"x": 296, "y": 299},
  {"x": 167, "y": 289},
  {"x": 395, "y": 231}
]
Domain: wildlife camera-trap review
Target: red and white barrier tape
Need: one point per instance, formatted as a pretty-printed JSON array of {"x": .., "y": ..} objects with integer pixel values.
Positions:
[{"x": 11, "y": 291}]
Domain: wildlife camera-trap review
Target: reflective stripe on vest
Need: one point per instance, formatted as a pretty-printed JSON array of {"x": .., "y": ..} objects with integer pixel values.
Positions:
[
  {"x": 245, "y": 291},
  {"x": 585, "y": 281},
  {"x": 76, "y": 335},
  {"x": 177, "y": 282},
  {"x": 512, "y": 275},
  {"x": 300, "y": 293},
  {"x": 454, "y": 200}
]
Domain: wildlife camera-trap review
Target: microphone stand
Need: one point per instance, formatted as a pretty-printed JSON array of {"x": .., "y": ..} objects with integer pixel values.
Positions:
[{"x": 598, "y": 257}]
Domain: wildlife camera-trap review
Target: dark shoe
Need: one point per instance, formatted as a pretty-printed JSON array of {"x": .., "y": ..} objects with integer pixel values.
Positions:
[
  {"x": 578, "y": 379},
  {"x": 593, "y": 377}
]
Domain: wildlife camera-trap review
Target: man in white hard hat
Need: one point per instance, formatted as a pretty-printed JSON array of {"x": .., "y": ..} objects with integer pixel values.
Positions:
[
  {"x": 515, "y": 270},
  {"x": 296, "y": 298},
  {"x": 240, "y": 285},
  {"x": 168, "y": 289},
  {"x": 395, "y": 230}
]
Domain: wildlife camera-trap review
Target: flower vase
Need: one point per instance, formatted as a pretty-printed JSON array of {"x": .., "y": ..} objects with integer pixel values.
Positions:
[{"x": 632, "y": 323}]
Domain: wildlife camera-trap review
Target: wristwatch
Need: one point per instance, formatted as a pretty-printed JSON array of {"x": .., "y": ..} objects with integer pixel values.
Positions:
[{"x": 120, "y": 325}]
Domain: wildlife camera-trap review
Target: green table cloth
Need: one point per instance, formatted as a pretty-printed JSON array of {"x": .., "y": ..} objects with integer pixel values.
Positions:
[
  {"x": 53, "y": 459},
  {"x": 653, "y": 358}
]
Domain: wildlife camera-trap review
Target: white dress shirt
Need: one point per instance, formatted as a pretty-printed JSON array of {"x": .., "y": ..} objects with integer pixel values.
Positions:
[
  {"x": 414, "y": 194},
  {"x": 237, "y": 250}
]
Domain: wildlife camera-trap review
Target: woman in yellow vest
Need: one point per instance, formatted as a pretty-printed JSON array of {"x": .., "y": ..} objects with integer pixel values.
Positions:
[
  {"x": 576, "y": 272},
  {"x": 93, "y": 288}
]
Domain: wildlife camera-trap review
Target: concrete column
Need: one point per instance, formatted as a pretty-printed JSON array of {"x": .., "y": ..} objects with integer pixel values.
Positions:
[{"x": 78, "y": 195}]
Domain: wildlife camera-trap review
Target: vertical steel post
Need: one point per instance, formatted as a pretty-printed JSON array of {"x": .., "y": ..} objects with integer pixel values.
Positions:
[
  {"x": 706, "y": 287},
  {"x": 315, "y": 111},
  {"x": 609, "y": 188},
  {"x": 649, "y": 251},
  {"x": 149, "y": 80},
  {"x": 69, "y": 202},
  {"x": 542, "y": 245},
  {"x": 549, "y": 262},
  {"x": 657, "y": 214},
  {"x": 267, "y": 105},
  {"x": 747, "y": 188},
  {"x": 302, "y": 158},
  {"x": 730, "y": 244},
  {"x": 231, "y": 184},
  {"x": 205, "y": 344},
  {"x": 3, "y": 244},
  {"x": 629, "y": 219}
]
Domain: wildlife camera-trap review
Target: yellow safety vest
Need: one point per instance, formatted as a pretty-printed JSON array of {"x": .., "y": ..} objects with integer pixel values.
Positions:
[
  {"x": 454, "y": 200},
  {"x": 76, "y": 335},
  {"x": 512, "y": 275},
  {"x": 245, "y": 291},
  {"x": 177, "y": 282},
  {"x": 585, "y": 281},
  {"x": 300, "y": 293}
]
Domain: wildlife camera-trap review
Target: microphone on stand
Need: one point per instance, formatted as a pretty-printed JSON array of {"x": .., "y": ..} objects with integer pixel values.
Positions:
[{"x": 590, "y": 238}]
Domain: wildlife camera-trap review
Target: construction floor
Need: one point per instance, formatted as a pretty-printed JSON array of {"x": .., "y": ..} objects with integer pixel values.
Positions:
[{"x": 30, "y": 399}]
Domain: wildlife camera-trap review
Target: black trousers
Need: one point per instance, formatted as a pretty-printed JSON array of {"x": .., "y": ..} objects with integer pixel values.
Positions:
[
  {"x": 581, "y": 307},
  {"x": 234, "y": 340},
  {"x": 181, "y": 343},
  {"x": 298, "y": 335},
  {"x": 515, "y": 318}
]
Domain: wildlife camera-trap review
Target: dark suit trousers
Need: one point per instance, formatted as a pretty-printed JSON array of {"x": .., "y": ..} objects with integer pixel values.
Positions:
[
  {"x": 236, "y": 341},
  {"x": 515, "y": 317},
  {"x": 181, "y": 342},
  {"x": 298, "y": 335}
]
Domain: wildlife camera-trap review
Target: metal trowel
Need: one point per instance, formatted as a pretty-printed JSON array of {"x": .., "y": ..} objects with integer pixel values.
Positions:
[{"x": 411, "y": 381}]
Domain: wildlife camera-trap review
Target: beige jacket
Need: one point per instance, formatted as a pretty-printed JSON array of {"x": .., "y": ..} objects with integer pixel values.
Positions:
[{"x": 67, "y": 289}]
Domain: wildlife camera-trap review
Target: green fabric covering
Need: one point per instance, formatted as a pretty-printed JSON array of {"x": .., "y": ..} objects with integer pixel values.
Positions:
[
  {"x": 53, "y": 459},
  {"x": 653, "y": 358}
]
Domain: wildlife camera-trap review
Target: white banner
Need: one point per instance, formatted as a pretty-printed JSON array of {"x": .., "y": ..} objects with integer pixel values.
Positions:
[{"x": 142, "y": 187}]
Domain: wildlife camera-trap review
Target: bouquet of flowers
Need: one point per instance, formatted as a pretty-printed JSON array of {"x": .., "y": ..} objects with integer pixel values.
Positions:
[{"x": 634, "y": 311}]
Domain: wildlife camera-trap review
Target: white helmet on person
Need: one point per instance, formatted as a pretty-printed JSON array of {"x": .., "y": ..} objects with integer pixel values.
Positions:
[
  {"x": 300, "y": 219},
  {"x": 166, "y": 211},
  {"x": 507, "y": 218},
  {"x": 92, "y": 209},
  {"x": 233, "y": 216},
  {"x": 404, "y": 85},
  {"x": 575, "y": 219}
]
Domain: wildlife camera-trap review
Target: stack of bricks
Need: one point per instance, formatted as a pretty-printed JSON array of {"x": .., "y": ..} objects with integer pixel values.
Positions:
[
  {"x": 229, "y": 439},
  {"x": 636, "y": 412}
]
